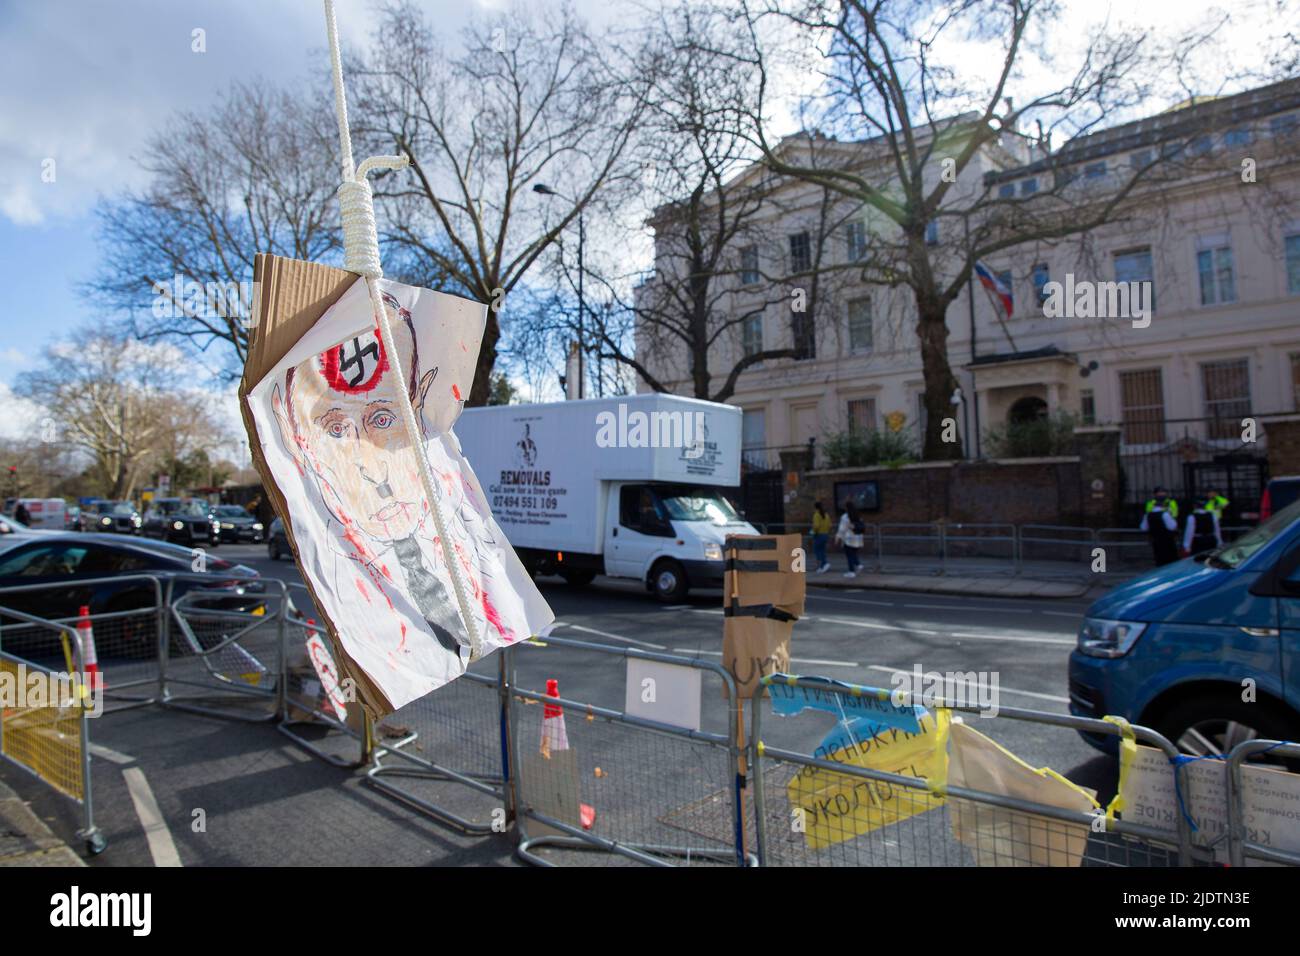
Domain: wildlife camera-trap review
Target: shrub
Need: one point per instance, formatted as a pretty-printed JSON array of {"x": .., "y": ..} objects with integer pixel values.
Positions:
[
  {"x": 849, "y": 449},
  {"x": 1040, "y": 438}
]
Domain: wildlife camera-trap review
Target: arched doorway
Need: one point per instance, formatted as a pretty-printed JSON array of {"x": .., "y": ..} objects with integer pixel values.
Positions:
[{"x": 1029, "y": 409}]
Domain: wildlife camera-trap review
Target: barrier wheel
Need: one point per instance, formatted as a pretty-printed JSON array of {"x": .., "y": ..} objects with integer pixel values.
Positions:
[{"x": 96, "y": 844}]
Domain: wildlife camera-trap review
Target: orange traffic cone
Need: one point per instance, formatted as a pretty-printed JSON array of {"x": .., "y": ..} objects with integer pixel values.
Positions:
[
  {"x": 554, "y": 735},
  {"x": 89, "y": 658}
]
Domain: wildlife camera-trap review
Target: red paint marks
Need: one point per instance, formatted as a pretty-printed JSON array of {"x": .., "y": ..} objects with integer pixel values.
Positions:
[
  {"x": 401, "y": 645},
  {"x": 361, "y": 586},
  {"x": 455, "y": 391}
]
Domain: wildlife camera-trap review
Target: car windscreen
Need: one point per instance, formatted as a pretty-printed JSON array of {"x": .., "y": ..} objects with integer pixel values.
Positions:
[
  {"x": 685, "y": 503},
  {"x": 195, "y": 509},
  {"x": 232, "y": 511},
  {"x": 1249, "y": 543},
  {"x": 120, "y": 508}
]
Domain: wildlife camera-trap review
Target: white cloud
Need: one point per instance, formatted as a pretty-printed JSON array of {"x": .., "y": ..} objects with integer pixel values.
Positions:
[{"x": 22, "y": 418}]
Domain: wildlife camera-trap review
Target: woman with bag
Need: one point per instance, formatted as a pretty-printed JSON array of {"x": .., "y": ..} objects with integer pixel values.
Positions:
[{"x": 849, "y": 533}]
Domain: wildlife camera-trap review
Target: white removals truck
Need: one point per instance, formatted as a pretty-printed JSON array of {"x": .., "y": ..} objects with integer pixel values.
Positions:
[{"x": 628, "y": 487}]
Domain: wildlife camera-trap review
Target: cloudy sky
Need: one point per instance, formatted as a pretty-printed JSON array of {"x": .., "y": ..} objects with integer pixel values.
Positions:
[{"x": 84, "y": 83}]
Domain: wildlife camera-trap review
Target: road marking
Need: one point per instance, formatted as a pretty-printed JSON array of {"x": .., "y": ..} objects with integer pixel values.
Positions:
[
  {"x": 964, "y": 635},
  {"x": 677, "y": 607},
  {"x": 794, "y": 660},
  {"x": 877, "y": 627},
  {"x": 960, "y": 607},
  {"x": 161, "y": 847},
  {"x": 1017, "y": 638},
  {"x": 1074, "y": 614},
  {"x": 823, "y": 597},
  {"x": 612, "y": 637},
  {"x": 1001, "y": 689},
  {"x": 99, "y": 750}
]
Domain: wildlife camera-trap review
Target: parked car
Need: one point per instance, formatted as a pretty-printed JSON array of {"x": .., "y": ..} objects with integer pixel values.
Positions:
[
  {"x": 277, "y": 542},
  {"x": 182, "y": 520},
  {"x": 111, "y": 517},
  {"x": 237, "y": 524},
  {"x": 1175, "y": 648},
  {"x": 63, "y": 564},
  {"x": 1279, "y": 493}
]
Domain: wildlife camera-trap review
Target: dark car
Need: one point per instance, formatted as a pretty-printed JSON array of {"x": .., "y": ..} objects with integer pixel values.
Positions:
[
  {"x": 238, "y": 525},
  {"x": 62, "y": 564},
  {"x": 277, "y": 542},
  {"x": 111, "y": 517},
  {"x": 183, "y": 521}
]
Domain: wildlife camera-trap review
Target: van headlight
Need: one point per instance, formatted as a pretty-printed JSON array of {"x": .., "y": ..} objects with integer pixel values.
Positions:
[
  {"x": 713, "y": 552},
  {"x": 1100, "y": 638},
  {"x": 178, "y": 525}
]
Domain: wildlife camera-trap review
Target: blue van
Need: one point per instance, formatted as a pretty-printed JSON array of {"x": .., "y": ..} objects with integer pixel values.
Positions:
[{"x": 1182, "y": 648}]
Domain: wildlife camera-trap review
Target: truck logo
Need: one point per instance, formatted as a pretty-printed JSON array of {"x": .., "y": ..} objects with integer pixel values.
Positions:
[{"x": 526, "y": 448}]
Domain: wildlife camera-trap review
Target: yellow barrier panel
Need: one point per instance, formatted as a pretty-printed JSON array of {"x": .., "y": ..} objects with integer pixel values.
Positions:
[{"x": 44, "y": 736}]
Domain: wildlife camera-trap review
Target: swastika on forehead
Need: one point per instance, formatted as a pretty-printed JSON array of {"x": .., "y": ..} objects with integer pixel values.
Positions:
[{"x": 355, "y": 365}]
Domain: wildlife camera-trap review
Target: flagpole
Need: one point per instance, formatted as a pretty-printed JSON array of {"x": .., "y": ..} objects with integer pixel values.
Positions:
[{"x": 970, "y": 301}]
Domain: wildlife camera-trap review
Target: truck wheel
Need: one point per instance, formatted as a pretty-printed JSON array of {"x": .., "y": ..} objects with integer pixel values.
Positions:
[
  {"x": 578, "y": 579},
  {"x": 1214, "y": 726},
  {"x": 668, "y": 581}
]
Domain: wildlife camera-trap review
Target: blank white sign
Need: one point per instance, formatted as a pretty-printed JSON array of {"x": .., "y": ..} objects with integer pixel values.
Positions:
[{"x": 664, "y": 693}]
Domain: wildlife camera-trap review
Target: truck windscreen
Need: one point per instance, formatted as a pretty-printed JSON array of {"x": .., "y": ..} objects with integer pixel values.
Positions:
[{"x": 697, "y": 504}]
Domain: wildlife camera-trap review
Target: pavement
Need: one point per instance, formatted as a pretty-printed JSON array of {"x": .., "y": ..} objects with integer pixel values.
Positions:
[
  {"x": 178, "y": 788},
  {"x": 25, "y": 839}
]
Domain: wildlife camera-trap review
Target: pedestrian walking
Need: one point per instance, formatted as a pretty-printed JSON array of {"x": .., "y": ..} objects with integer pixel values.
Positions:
[
  {"x": 821, "y": 537},
  {"x": 1160, "y": 522},
  {"x": 1201, "y": 532},
  {"x": 849, "y": 534},
  {"x": 22, "y": 515}
]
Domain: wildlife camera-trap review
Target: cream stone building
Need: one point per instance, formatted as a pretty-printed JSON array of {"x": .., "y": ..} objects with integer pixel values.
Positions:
[{"x": 1214, "y": 245}]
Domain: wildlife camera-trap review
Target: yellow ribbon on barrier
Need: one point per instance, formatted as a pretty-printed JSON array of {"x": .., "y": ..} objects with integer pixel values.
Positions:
[
  {"x": 1127, "y": 752},
  {"x": 939, "y": 781}
]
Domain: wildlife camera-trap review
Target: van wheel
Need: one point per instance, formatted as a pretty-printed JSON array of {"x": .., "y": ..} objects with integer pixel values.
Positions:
[
  {"x": 1215, "y": 726},
  {"x": 578, "y": 579},
  {"x": 668, "y": 581},
  {"x": 273, "y": 550}
]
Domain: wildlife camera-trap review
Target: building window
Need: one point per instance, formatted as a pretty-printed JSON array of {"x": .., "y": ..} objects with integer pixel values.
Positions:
[
  {"x": 862, "y": 416},
  {"x": 751, "y": 334},
  {"x": 860, "y": 338},
  {"x": 1295, "y": 379},
  {"x": 1028, "y": 186},
  {"x": 753, "y": 438},
  {"x": 800, "y": 252},
  {"x": 1007, "y": 191},
  {"x": 1042, "y": 275},
  {"x": 1200, "y": 145},
  {"x": 1237, "y": 137},
  {"x": 1134, "y": 265},
  {"x": 1284, "y": 127},
  {"x": 1142, "y": 403},
  {"x": 922, "y": 418},
  {"x": 1094, "y": 170},
  {"x": 1214, "y": 265},
  {"x": 932, "y": 232},
  {"x": 749, "y": 265},
  {"x": 1141, "y": 159},
  {"x": 1293, "y": 264},
  {"x": 1227, "y": 395},
  {"x": 856, "y": 239},
  {"x": 1087, "y": 407},
  {"x": 802, "y": 336}
]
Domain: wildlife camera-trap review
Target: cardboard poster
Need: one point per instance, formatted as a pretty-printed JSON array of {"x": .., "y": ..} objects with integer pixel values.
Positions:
[
  {"x": 763, "y": 595},
  {"x": 322, "y": 409},
  {"x": 1270, "y": 802}
]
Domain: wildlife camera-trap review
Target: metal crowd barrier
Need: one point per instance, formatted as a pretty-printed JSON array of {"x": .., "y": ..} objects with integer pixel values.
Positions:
[
  {"x": 222, "y": 660},
  {"x": 909, "y": 821},
  {"x": 617, "y": 786},
  {"x": 306, "y": 715},
  {"x": 442, "y": 754},
  {"x": 51, "y": 740},
  {"x": 126, "y": 636},
  {"x": 1246, "y": 842}
]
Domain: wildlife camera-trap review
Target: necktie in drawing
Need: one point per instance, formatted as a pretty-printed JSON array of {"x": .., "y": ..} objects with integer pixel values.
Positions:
[{"x": 429, "y": 594}]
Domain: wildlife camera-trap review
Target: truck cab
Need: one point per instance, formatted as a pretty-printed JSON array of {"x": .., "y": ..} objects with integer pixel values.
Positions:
[{"x": 668, "y": 535}]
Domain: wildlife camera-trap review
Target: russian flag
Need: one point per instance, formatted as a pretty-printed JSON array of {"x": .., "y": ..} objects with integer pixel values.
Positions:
[{"x": 996, "y": 286}]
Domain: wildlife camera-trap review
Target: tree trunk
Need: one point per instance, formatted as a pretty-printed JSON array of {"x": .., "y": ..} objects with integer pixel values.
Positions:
[
  {"x": 932, "y": 329},
  {"x": 481, "y": 390}
]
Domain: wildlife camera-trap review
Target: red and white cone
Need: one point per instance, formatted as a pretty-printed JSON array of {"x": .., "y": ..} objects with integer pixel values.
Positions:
[
  {"x": 89, "y": 658},
  {"x": 554, "y": 736}
]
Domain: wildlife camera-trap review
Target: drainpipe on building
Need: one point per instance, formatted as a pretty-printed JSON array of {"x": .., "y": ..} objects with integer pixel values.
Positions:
[{"x": 974, "y": 393}]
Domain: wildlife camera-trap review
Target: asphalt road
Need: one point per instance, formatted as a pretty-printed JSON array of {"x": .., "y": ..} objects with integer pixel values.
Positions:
[{"x": 265, "y": 801}]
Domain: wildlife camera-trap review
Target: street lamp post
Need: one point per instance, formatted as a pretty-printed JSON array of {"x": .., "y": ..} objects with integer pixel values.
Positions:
[{"x": 543, "y": 190}]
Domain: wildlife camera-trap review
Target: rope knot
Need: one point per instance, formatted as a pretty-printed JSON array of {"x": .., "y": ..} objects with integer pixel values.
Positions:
[{"x": 360, "y": 235}]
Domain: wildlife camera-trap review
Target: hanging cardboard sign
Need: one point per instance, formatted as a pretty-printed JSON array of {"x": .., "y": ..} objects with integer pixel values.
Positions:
[{"x": 321, "y": 407}]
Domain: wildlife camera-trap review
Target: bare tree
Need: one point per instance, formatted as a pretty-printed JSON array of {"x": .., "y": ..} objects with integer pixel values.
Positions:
[
  {"x": 121, "y": 403},
  {"x": 255, "y": 174},
  {"x": 926, "y": 135},
  {"x": 532, "y": 100}
]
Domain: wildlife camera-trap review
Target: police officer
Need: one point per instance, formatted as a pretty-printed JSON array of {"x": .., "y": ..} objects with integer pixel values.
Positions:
[
  {"x": 1215, "y": 503},
  {"x": 1201, "y": 532},
  {"x": 1160, "y": 522}
]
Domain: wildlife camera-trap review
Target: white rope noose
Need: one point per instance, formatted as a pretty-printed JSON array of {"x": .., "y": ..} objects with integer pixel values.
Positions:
[{"x": 361, "y": 255}]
